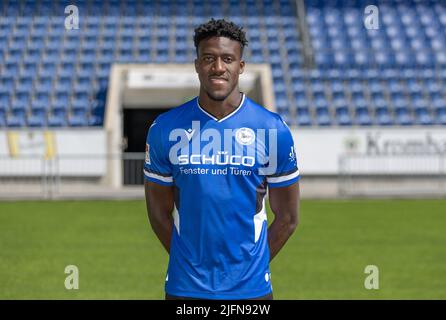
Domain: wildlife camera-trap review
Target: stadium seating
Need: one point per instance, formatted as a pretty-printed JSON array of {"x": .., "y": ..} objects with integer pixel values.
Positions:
[
  {"x": 390, "y": 76},
  {"x": 396, "y": 75}
]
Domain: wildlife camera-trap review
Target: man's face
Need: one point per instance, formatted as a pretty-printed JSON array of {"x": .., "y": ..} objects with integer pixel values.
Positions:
[{"x": 219, "y": 64}]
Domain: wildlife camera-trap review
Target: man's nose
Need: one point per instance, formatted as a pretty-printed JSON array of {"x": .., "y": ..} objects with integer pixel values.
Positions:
[{"x": 218, "y": 65}]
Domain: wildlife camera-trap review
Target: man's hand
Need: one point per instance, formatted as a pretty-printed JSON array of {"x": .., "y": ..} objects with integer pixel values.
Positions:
[
  {"x": 284, "y": 203},
  {"x": 160, "y": 204}
]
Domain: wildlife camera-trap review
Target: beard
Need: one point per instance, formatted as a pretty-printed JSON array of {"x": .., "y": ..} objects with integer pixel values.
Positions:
[
  {"x": 214, "y": 97},
  {"x": 219, "y": 96}
]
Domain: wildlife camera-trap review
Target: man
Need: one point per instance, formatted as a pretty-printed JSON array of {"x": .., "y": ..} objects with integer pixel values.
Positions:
[{"x": 208, "y": 165}]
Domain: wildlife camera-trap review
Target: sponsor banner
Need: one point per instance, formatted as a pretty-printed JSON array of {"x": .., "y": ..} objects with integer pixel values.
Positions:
[
  {"x": 371, "y": 151},
  {"x": 61, "y": 152}
]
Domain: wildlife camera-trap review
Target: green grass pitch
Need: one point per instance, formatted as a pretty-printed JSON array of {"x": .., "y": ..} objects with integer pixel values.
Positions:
[{"x": 119, "y": 257}]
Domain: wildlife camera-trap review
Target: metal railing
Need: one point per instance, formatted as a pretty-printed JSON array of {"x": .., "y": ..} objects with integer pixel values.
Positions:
[
  {"x": 133, "y": 165},
  {"x": 38, "y": 177},
  {"x": 392, "y": 175}
]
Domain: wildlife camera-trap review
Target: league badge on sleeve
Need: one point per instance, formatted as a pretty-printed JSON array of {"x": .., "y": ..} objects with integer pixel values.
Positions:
[{"x": 147, "y": 153}]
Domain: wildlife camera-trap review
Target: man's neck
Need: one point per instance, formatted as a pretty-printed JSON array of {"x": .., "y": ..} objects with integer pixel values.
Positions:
[{"x": 220, "y": 109}]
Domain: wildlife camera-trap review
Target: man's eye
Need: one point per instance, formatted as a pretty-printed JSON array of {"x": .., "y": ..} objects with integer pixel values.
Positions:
[
  {"x": 207, "y": 58},
  {"x": 228, "y": 60}
]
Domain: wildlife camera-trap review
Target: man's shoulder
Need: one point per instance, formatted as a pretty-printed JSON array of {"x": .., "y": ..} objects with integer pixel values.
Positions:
[
  {"x": 170, "y": 117},
  {"x": 265, "y": 116}
]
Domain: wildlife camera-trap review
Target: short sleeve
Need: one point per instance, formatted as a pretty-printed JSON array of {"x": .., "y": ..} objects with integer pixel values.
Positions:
[
  {"x": 157, "y": 167},
  {"x": 287, "y": 171}
]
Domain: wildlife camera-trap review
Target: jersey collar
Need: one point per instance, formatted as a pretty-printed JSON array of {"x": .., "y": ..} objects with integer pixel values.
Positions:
[{"x": 224, "y": 118}]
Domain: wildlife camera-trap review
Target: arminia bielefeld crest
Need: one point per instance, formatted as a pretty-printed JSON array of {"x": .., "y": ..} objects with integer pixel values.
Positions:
[{"x": 245, "y": 136}]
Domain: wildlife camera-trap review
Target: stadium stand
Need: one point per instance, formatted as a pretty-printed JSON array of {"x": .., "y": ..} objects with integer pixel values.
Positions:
[
  {"x": 390, "y": 76},
  {"x": 52, "y": 77}
]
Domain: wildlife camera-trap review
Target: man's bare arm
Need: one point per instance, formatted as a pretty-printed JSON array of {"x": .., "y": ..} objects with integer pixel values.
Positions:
[
  {"x": 159, "y": 202},
  {"x": 284, "y": 203}
]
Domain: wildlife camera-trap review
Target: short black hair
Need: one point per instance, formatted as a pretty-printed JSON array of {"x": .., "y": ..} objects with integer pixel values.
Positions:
[{"x": 220, "y": 28}]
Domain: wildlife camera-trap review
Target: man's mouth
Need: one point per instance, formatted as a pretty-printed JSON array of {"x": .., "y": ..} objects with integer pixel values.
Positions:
[{"x": 218, "y": 80}]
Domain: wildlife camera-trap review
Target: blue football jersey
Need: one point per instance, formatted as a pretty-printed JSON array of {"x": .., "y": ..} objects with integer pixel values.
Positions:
[{"x": 220, "y": 171}]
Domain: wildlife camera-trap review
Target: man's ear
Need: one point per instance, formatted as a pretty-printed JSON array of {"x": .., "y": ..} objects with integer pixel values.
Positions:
[
  {"x": 196, "y": 65},
  {"x": 242, "y": 66}
]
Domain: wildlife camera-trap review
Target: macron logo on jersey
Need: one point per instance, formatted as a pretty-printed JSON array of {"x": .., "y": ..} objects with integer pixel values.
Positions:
[{"x": 189, "y": 133}]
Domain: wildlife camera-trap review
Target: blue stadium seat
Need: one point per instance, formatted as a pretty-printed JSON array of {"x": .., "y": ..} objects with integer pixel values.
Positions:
[
  {"x": 323, "y": 117},
  {"x": 400, "y": 103},
  {"x": 37, "y": 119},
  {"x": 80, "y": 105},
  {"x": 420, "y": 103},
  {"x": 5, "y": 97},
  {"x": 29, "y": 67},
  {"x": 383, "y": 117},
  {"x": 439, "y": 104},
  {"x": 423, "y": 117},
  {"x": 77, "y": 121},
  {"x": 375, "y": 86},
  {"x": 23, "y": 95},
  {"x": 126, "y": 55},
  {"x": 304, "y": 117},
  {"x": 2, "y": 118},
  {"x": 302, "y": 101},
  {"x": 390, "y": 75},
  {"x": 40, "y": 103},
  {"x": 321, "y": 102},
  {"x": 4, "y": 101},
  {"x": 357, "y": 88},
  {"x": 57, "y": 120},
  {"x": 432, "y": 87},
  {"x": 82, "y": 86},
  {"x": 47, "y": 69},
  {"x": 360, "y": 103},
  {"x": 95, "y": 121},
  {"x": 343, "y": 117},
  {"x": 87, "y": 56},
  {"x": 337, "y": 87},
  {"x": 362, "y": 117},
  {"x": 15, "y": 121},
  {"x": 380, "y": 103},
  {"x": 440, "y": 116},
  {"x": 403, "y": 117},
  {"x": 24, "y": 84},
  {"x": 395, "y": 87}
]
